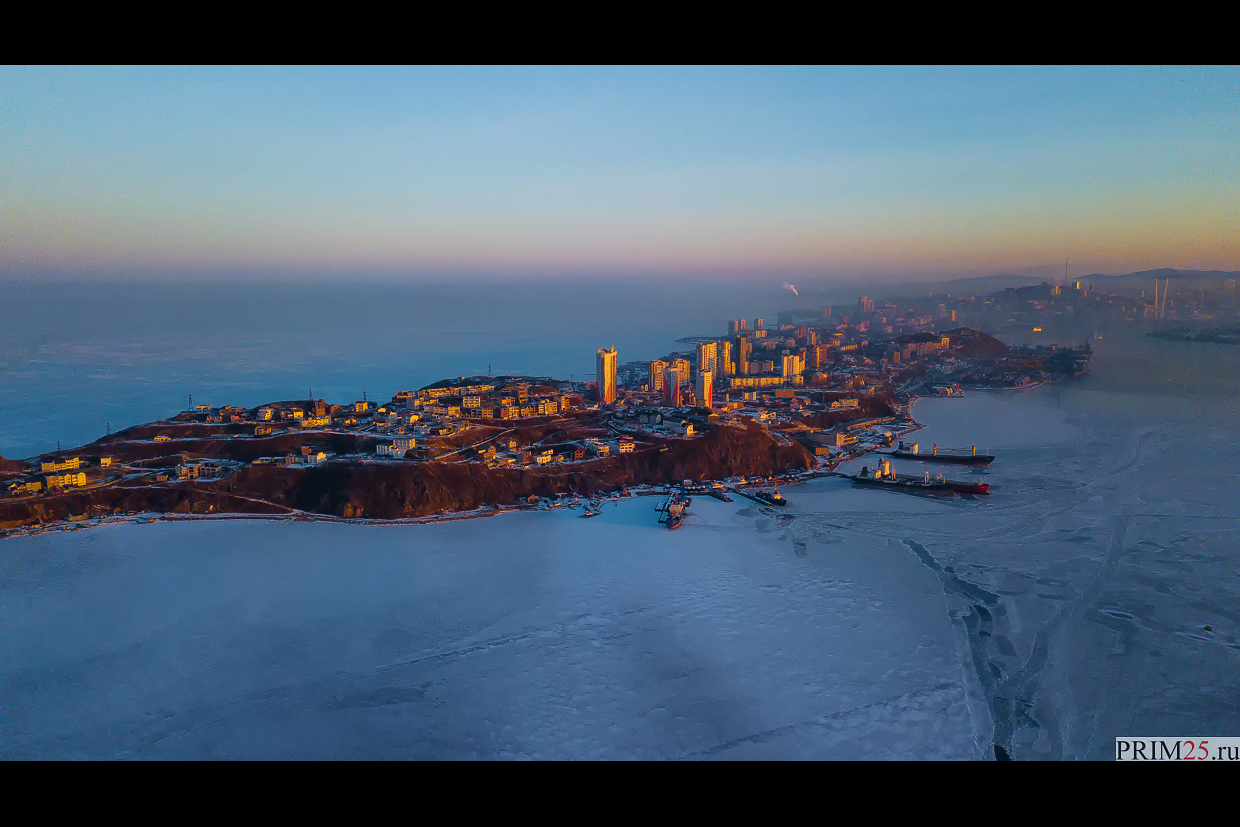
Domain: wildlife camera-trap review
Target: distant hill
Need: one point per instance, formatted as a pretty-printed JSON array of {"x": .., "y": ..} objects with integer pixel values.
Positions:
[
  {"x": 973, "y": 286},
  {"x": 1195, "y": 277},
  {"x": 985, "y": 285}
]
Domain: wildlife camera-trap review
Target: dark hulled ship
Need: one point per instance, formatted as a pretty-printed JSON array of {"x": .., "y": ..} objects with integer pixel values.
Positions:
[
  {"x": 884, "y": 477},
  {"x": 952, "y": 456}
]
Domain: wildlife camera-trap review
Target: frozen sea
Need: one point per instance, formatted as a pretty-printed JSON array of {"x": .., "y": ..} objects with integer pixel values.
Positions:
[{"x": 1094, "y": 593}]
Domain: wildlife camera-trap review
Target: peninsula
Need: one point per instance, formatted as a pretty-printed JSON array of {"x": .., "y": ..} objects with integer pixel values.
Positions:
[{"x": 762, "y": 404}]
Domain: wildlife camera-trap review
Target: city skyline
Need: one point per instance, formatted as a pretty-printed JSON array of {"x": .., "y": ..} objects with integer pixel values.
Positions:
[{"x": 524, "y": 173}]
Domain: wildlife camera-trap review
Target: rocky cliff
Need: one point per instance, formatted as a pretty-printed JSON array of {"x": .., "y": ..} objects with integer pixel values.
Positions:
[{"x": 383, "y": 490}]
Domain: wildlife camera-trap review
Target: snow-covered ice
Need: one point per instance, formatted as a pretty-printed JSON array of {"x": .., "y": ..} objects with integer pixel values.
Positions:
[
  {"x": 527, "y": 635},
  {"x": 1091, "y": 595}
]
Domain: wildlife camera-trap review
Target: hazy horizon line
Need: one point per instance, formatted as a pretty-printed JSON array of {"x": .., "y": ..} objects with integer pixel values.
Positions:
[{"x": 519, "y": 276}]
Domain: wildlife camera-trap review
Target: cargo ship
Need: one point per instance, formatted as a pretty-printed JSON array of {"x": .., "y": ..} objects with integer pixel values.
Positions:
[
  {"x": 884, "y": 477},
  {"x": 953, "y": 456}
]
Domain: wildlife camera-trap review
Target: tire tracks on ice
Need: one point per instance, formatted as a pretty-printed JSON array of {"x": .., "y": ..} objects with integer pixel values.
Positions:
[{"x": 824, "y": 721}]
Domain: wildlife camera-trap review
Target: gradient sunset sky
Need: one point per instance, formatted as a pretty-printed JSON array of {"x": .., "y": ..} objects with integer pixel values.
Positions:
[{"x": 687, "y": 172}]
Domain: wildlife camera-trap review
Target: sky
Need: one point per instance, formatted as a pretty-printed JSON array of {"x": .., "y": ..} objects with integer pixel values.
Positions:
[{"x": 341, "y": 173}]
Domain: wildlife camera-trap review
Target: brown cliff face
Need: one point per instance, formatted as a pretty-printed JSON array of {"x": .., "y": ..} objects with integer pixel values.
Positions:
[
  {"x": 380, "y": 490},
  {"x": 391, "y": 491}
]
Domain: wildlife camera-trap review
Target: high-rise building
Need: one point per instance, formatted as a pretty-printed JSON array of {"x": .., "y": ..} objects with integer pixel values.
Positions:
[
  {"x": 723, "y": 360},
  {"x": 826, "y": 311},
  {"x": 671, "y": 387},
  {"x": 865, "y": 305},
  {"x": 736, "y": 326},
  {"x": 682, "y": 369},
  {"x": 757, "y": 324},
  {"x": 605, "y": 372},
  {"x": 658, "y": 369},
  {"x": 707, "y": 357},
  {"x": 744, "y": 350},
  {"x": 705, "y": 390},
  {"x": 794, "y": 364},
  {"x": 817, "y": 356}
]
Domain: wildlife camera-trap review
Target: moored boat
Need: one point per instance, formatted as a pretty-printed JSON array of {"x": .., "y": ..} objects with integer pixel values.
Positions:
[
  {"x": 772, "y": 497},
  {"x": 884, "y": 477},
  {"x": 674, "y": 509},
  {"x": 964, "y": 456}
]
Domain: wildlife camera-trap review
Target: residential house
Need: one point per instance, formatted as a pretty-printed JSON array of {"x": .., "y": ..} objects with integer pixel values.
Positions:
[{"x": 65, "y": 480}]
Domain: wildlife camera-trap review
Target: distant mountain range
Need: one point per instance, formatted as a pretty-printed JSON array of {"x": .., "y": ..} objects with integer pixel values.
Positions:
[{"x": 983, "y": 285}]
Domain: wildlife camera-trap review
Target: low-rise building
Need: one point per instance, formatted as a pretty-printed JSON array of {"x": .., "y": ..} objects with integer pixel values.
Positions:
[
  {"x": 163, "y": 438},
  {"x": 65, "y": 480},
  {"x": 395, "y": 447},
  {"x": 56, "y": 465},
  {"x": 22, "y": 487},
  {"x": 626, "y": 444}
]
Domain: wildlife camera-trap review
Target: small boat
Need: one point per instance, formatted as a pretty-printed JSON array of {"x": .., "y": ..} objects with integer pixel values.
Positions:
[{"x": 772, "y": 497}]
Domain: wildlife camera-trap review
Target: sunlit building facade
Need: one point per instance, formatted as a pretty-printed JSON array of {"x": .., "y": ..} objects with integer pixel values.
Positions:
[
  {"x": 707, "y": 355},
  {"x": 657, "y": 370},
  {"x": 671, "y": 387},
  {"x": 605, "y": 373},
  {"x": 705, "y": 390}
]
